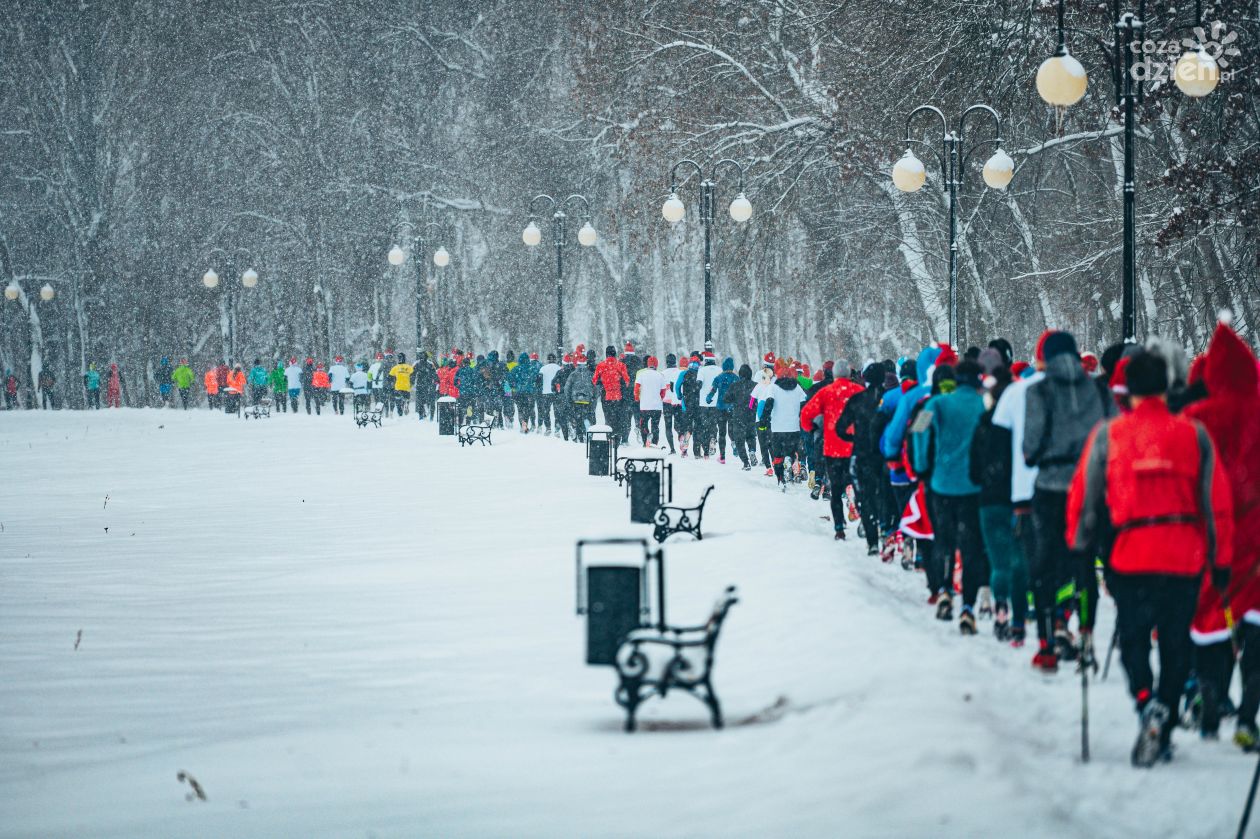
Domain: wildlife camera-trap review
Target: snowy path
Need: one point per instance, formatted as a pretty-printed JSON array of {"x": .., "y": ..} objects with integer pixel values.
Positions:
[{"x": 344, "y": 632}]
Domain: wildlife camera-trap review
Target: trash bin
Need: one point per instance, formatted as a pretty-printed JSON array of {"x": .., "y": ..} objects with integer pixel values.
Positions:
[
  {"x": 601, "y": 450},
  {"x": 613, "y": 609},
  {"x": 645, "y": 495},
  {"x": 446, "y": 416}
]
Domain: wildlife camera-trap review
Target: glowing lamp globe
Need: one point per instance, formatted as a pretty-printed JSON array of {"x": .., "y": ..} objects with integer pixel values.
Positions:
[
  {"x": 1197, "y": 73},
  {"x": 908, "y": 173},
  {"x": 441, "y": 258},
  {"x": 210, "y": 279},
  {"x": 1061, "y": 80},
  {"x": 741, "y": 208},
  {"x": 250, "y": 278},
  {"x": 397, "y": 256},
  {"x": 47, "y": 293},
  {"x": 11, "y": 291},
  {"x": 531, "y": 235},
  {"x": 587, "y": 235},
  {"x": 999, "y": 169},
  {"x": 673, "y": 208}
]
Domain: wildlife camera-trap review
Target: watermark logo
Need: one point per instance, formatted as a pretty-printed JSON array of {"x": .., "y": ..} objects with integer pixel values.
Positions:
[{"x": 1158, "y": 59}]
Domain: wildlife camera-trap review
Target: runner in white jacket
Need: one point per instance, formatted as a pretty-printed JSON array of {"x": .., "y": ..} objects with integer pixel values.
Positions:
[
  {"x": 650, "y": 388},
  {"x": 338, "y": 377},
  {"x": 784, "y": 408}
]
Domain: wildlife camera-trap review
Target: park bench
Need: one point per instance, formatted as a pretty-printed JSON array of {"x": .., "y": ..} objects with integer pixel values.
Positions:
[
  {"x": 654, "y": 660},
  {"x": 473, "y": 432},
  {"x": 365, "y": 415},
  {"x": 671, "y": 519}
]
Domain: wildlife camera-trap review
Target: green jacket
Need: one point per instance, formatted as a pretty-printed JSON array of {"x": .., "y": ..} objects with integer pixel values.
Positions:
[
  {"x": 183, "y": 377},
  {"x": 279, "y": 383}
]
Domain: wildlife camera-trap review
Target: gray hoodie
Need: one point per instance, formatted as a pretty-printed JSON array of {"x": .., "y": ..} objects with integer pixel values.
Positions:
[{"x": 1060, "y": 412}]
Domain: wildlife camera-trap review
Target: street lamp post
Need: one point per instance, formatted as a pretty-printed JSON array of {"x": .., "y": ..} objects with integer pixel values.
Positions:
[
  {"x": 15, "y": 292},
  {"x": 909, "y": 175},
  {"x": 740, "y": 210},
  {"x": 1061, "y": 81},
  {"x": 532, "y": 236},
  {"x": 441, "y": 258},
  {"x": 249, "y": 279}
]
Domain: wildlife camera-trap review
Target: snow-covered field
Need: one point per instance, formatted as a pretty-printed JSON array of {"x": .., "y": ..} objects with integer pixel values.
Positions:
[{"x": 350, "y": 633}]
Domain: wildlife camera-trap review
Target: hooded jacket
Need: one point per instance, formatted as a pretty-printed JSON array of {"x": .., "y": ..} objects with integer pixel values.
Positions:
[
  {"x": 829, "y": 402},
  {"x": 579, "y": 389},
  {"x": 954, "y": 419},
  {"x": 890, "y": 442},
  {"x": 1059, "y": 414},
  {"x": 990, "y": 463},
  {"x": 446, "y": 381},
  {"x": 212, "y": 381},
  {"x": 860, "y": 425},
  {"x": 1229, "y": 414},
  {"x": 1154, "y": 481},
  {"x": 338, "y": 376},
  {"x": 738, "y": 398},
  {"x": 183, "y": 377},
  {"x": 258, "y": 376},
  {"x": 612, "y": 376},
  {"x": 469, "y": 382},
  {"x": 783, "y": 406},
  {"x": 724, "y": 380},
  {"x": 523, "y": 377}
]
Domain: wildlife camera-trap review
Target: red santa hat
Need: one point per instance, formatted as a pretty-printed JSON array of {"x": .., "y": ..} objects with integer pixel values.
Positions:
[
  {"x": 651, "y": 361},
  {"x": 629, "y": 348},
  {"x": 768, "y": 359},
  {"x": 568, "y": 358},
  {"x": 533, "y": 356}
]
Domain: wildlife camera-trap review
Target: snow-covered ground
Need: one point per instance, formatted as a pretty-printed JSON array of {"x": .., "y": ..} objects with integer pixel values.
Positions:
[{"x": 343, "y": 632}]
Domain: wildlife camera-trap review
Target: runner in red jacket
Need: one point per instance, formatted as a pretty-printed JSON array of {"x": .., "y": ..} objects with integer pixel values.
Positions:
[
  {"x": 829, "y": 404},
  {"x": 611, "y": 375},
  {"x": 1230, "y": 415},
  {"x": 1152, "y": 482}
]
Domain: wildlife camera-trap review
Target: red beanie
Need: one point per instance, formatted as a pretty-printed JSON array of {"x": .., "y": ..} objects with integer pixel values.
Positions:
[
  {"x": 1090, "y": 362},
  {"x": 768, "y": 359},
  {"x": 1040, "y": 353},
  {"x": 1018, "y": 367},
  {"x": 651, "y": 362},
  {"x": 948, "y": 356}
]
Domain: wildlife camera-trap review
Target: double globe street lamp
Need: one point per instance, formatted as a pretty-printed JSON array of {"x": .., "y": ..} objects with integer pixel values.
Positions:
[
  {"x": 227, "y": 301},
  {"x": 1061, "y": 81},
  {"x": 13, "y": 291},
  {"x": 532, "y": 237},
  {"x": 441, "y": 258},
  {"x": 740, "y": 209},
  {"x": 909, "y": 175}
]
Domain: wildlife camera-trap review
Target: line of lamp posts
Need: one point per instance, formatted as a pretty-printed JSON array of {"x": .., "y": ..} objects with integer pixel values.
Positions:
[{"x": 1061, "y": 81}]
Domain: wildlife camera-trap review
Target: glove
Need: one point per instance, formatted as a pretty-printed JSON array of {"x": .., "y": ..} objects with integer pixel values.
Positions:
[{"x": 1220, "y": 579}]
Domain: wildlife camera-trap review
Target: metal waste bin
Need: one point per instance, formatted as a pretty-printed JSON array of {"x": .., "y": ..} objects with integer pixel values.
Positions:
[
  {"x": 645, "y": 496},
  {"x": 446, "y": 416},
  {"x": 601, "y": 450},
  {"x": 614, "y": 598},
  {"x": 613, "y": 607}
]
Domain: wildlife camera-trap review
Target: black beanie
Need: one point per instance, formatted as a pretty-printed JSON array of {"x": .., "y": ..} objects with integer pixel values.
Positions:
[
  {"x": 1004, "y": 347},
  {"x": 671, "y": 360},
  {"x": 909, "y": 370},
  {"x": 610, "y": 351},
  {"x": 873, "y": 374},
  {"x": 1146, "y": 374},
  {"x": 968, "y": 373},
  {"x": 1058, "y": 343}
]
